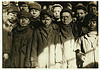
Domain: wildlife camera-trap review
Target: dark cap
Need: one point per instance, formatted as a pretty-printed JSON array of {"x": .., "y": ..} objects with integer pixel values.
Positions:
[
  {"x": 93, "y": 4},
  {"x": 80, "y": 6},
  {"x": 21, "y": 3},
  {"x": 35, "y": 6},
  {"x": 13, "y": 9},
  {"x": 47, "y": 12},
  {"x": 66, "y": 10},
  {"x": 25, "y": 14}
]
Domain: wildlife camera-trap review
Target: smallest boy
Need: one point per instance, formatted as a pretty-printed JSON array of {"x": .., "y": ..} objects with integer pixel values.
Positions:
[{"x": 22, "y": 39}]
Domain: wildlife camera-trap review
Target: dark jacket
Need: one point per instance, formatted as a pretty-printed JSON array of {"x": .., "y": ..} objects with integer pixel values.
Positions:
[
  {"x": 42, "y": 38},
  {"x": 35, "y": 23},
  {"x": 22, "y": 40},
  {"x": 7, "y": 43}
]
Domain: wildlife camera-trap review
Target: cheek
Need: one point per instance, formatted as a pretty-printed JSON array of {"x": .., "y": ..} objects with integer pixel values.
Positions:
[
  {"x": 20, "y": 21},
  {"x": 54, "y": 14},
  {"x": 15, "y": 17},
  {"x": 31, "y": 12},
  {"x": 62, "y": 19},
  {"x": 43, "y": 21},
  {"x": 50, "y": 21},
  {"x": 37, "y": 13}
]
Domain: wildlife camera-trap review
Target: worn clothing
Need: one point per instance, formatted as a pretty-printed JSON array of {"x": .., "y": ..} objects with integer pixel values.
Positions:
[
  {"x": 41, "y": 41},
  {"x": 67, "y": 45},
  {"x": 79, "y": 29},
  {"x": 7, "y": 41},
  {"x": 22, "y": 41},
  {"x": 35, "y": 23},
  {"x": 88, "y": 44}
]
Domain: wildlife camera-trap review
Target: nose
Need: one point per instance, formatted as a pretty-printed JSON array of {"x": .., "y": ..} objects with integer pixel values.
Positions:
[
  {"x": 57, "y": 13},
  {"x": 34, "y": 12},
  {"x": 12, "y": 17}
]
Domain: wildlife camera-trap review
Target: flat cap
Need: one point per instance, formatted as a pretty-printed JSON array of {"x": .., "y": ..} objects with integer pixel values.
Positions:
[
  {"x": 57, "y": 5},
  {"x": 47, "y": 12},
  {"x": 93, "y": 3},
  {"x": 21, "y": 3},
  {"x": 66, "y": 10},
  {"x": 80, "y": 6},
  {"x": 24, "y": 14},
  {"x": 35, "y": 6},
  {"x": 13, "y": 9}
]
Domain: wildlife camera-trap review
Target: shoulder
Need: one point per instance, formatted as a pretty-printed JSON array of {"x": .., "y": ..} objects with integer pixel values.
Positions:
[{"x": 55, "y": 26}]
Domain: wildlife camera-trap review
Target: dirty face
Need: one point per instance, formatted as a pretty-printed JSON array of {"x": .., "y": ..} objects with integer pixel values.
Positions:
[
  {"x": 35, "y": 13},
  {"x": 46, "y": 20},
  {"x": 80, "y": 14},
  {"x": 92, "y": 24},
  {"x": 56, "y": 12},
  {"x": 12, "y": 16},
  {"x": 66, "y": 17},
  {"x": 24, "y": 7},
  {"x": 24, "y": 21}
]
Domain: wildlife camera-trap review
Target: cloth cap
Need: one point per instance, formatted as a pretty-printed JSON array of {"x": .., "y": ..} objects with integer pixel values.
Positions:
[
  {"x": 93, "y": 4},
  {"x": 35, "y": 6},
  {"x": 57, "y": 5},
  {"x": 66, "y": 10},
  {"x": 25, "y": 14},
  {"x": 80, "y": 6},
  {"x": 13, "y": 9},
  {"x": 47, "y": 12},
  {"x": 21, "y": 3}
]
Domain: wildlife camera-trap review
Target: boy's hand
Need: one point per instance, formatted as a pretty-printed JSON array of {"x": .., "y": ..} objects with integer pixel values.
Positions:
[
  {"x": 34, "y": 64},
  {"x": 81, "y": 56},
  {"x": 5, "y": 56}
]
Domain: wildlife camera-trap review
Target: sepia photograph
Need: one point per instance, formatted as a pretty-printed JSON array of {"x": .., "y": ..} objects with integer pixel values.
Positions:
[{"x": 50, "y": 34}]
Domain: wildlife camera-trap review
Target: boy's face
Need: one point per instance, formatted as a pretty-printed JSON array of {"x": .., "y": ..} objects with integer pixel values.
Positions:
[
  {"x": 24, "y": 7},
  {"x": 92, "y": 25},
  {"x": 66, "y": 17},
  {"x": 46, "y": 20},
  {"x": 80, "y": 14},
  {"x": 93, "y": 9},
  {"x": 35, "y": 13},
  {"x": 24, "y": 21},
  {"x": 56, "y": 12},
  {"x": 12, "y": 16}
]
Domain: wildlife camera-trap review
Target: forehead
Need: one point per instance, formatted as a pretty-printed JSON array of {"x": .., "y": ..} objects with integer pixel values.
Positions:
[
  {"x": 46, "y": 16},
  {"x": 57, "y": 8},
  {"x": 34, "y": 9},
  {"x": 24, "y": 5},
  {"x": 66, "y": 14},
  {"x": 12, "y": 13},
  {"x": 80, "y": 10}
]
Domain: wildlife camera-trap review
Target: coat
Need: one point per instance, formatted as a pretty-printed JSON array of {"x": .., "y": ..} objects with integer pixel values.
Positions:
[
  {"x": 67, "y": 47},
  {"x": 7, "y": 41},
  {"x": 41, "y": 46},
  {"x": 88, "y": 44},
  {"x": 22, "y": 41}
]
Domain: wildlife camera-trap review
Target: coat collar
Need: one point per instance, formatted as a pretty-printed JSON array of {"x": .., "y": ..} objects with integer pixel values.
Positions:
[
  {"x": 45, "y": 31},
  {"x": 22, "y": 29}
]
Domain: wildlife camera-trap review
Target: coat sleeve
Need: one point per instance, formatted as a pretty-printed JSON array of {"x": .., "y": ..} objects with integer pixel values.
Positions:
[
  {"x": 28, "y": 50},
  {"x": 77, "y": 44},
  {"x": 7, "y": 41},
  {"x": 34, "y": 59}
]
